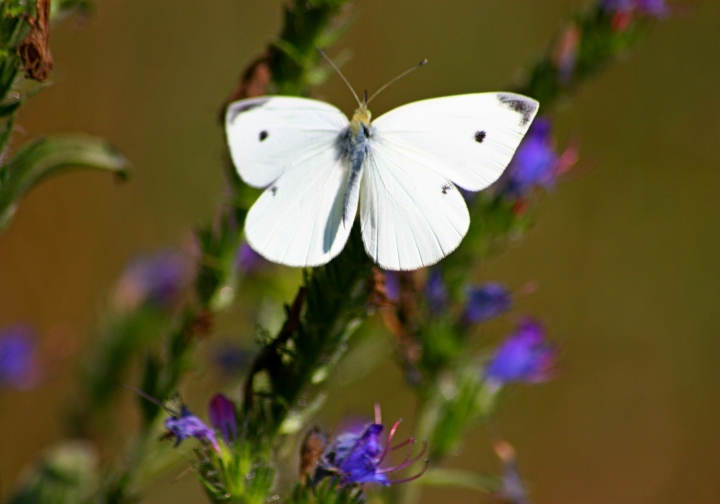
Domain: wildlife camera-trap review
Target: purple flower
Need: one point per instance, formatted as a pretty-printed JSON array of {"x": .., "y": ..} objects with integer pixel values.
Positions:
[
  {"x": 487, "y": 301},
  {"x": 248, "y": 260},
  {"x": 513, "y": 488},
  {"x": 232, "y": 358},
  {"x": 355, "y": 457},
  {"x": 564, "y": 55},
  {"x": 524, "y": 356},
  {"x": 158, "y": 280},
  {"x": 186, "y": 425},
  {"x": 392, "y": 285},
  {"x": 18, "y": 366},
  {"x": 435, "y": 292},
  {"x": 222, "y": 417},
  {"x": 534, "y": 163},
  {"x": 183, "y": 424},
  {"x": 657, "y": 8}
]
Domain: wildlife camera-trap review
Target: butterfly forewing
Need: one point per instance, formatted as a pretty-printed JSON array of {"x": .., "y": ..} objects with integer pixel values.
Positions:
[
  {"x": 271, "y": 135},
  {"x": 469, "y": 139}
]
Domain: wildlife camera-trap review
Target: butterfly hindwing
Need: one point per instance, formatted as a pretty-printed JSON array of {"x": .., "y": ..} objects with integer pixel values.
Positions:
[
  {"x": 411, "y": 216},
  {"x": 470, "y": 139},
  {"x": 298, "y": 220}
]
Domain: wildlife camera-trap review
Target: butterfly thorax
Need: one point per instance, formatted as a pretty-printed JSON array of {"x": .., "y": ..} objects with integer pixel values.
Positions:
[{"x": 361, "y": 117}]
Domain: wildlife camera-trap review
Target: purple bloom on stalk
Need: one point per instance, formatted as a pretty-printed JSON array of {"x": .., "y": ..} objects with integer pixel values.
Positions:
[
  {"x": 355, "y": 457},
  {"x": 232, "y": 358},
  {"x": 18, "y": 367},
  {"x": 248, "y": 260},
  {"x": 564, "y": 55},
  {"x": 435, "y": 292},
  {"x": 158, "y": 279},
  {"x": 487, "y": 301},
  {"x": 392, "y": 285},
  {"x": 535, "y": 161},
  {"x": 186, "y": 425},
  {"x": 657, "y": 8},
  {"x": 524, "y": 356},
  {"x": 513, "y": 488},
  {"x": 222, "y": 417}
]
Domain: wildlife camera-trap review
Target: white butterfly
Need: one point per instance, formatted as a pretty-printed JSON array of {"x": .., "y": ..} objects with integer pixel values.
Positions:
[{"x": 403, "y": 169}]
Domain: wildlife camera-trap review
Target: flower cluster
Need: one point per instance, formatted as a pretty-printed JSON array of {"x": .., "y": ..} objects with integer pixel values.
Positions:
[
  {"x": 355, "y": 458},
  {"x": 656, "y": 8},
  {"x": 623, "y": 12},
  {"x": 484, "y": 302},
  {"x": 565, "y": 52},
  {"x": 185, "y": 425}
]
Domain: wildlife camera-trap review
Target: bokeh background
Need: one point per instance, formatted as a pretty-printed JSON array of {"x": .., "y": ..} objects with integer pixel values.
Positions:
[{"x": 625, "y": 254}]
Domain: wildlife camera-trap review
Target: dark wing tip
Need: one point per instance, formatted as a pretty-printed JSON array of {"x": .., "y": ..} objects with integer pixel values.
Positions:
[
  {"x": 526, "y": 107},
  {"x": 237, "y": 108}
]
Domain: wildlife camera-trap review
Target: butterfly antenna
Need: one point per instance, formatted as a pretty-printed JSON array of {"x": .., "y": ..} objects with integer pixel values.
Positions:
[
  {"x": 146, "y": 396},
  {"x": 340, "y": 74},
  {"x": 422, "y": 63}
]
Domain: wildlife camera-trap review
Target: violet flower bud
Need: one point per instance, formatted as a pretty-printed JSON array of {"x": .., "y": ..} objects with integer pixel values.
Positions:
[
  {"x": 487, "y": 301},
  {"x": 18, "y": 365},
  {"x": 524, "y": 356},
  {"x": 223, "y": 418}
]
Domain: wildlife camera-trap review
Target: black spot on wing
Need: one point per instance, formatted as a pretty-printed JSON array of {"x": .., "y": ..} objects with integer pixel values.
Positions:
[
  {"x": 446, "y": 188},
  {"x": 523, "y": 106},
  {"x": 238, "y": 108},
  {"x": 263, "y": 135},
  {"x": 480, "y": 136},
  {"x": 273, "y": 190}
]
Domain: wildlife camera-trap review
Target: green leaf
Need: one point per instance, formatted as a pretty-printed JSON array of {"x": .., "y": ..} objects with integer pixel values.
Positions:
[
  {"x": 461, "y": 479},
  {"x": 48, "y": 157},
  {"x": 9, "y": 108},
  {"x": 6, "y": 128},
  {"x": 17, "y": 8},
  {"x": 61, "y": 8}
]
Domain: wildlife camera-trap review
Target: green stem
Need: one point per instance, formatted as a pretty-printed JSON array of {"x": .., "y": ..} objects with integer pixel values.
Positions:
[{"x": 335, "y": 300}]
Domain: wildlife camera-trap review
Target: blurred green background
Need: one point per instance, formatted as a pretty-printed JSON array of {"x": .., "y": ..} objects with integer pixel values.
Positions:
[{"x": 625, "y": 255}]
